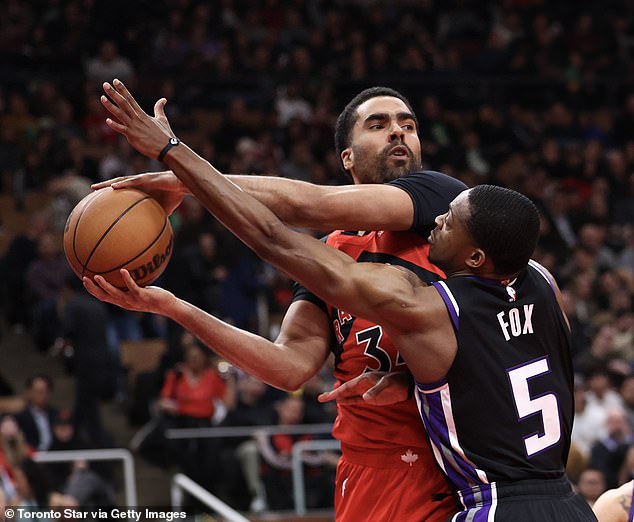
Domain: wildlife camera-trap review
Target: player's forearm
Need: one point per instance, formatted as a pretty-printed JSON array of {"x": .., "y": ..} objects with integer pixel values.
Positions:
[
  {"x": 323, "y": 207},
  {"x": 253, "y": 223},
  {"x": 273, "y": 363},
  {"x": 329, "y": 273},
  {"x": 291, "y": 200}
]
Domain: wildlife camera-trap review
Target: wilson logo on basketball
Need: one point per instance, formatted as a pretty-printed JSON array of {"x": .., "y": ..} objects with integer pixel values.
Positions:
[{"x": 142, "y": 271}]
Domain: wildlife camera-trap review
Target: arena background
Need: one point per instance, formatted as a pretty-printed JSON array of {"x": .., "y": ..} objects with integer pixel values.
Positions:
[{"x": 533, "y": 95}]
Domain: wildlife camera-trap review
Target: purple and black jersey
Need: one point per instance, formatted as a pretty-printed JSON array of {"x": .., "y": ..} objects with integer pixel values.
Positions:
[{"x": 504, "y": 411}]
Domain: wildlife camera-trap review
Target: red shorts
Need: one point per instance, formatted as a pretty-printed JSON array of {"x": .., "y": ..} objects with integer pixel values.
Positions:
[{"x": 386, "y": 487}]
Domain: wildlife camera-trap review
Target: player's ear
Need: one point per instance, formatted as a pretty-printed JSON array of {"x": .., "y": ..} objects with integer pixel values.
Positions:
[
  {"x": 347, "y": 158},
  {"x": 476, "y": 259}
]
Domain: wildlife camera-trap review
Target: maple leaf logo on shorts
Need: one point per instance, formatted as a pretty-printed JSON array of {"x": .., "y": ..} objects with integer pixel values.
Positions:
[{"x": 409, "y": 457}]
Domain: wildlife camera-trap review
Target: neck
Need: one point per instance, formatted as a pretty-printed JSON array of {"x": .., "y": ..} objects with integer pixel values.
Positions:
[{"x": 484, "y": 274}]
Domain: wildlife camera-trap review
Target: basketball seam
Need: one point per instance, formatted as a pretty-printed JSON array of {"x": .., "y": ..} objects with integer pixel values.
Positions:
[
  {"x": 139, "y": 254},
  {"x": 85, "y": 265}
]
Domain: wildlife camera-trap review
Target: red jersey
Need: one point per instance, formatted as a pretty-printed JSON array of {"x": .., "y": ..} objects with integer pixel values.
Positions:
[
  {"x": 194, "y": 399},
  {"x": 361, "y": 345},
  {"x": 387, "y": 470}
]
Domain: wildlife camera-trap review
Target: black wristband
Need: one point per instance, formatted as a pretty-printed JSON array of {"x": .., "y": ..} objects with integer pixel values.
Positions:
[
  {"x": 171, "y": 143},
  {"x": 411, "y": 386}
]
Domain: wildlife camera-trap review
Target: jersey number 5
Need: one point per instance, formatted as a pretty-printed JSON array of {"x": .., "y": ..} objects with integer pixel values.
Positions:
[{"x": 526, "y": 406}]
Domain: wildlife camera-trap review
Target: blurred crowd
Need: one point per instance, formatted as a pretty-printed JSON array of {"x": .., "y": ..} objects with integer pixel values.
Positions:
[{"x": 533, "y": 95}]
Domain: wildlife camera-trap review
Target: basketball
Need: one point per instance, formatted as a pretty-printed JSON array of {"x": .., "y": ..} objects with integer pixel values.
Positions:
[{"x": 113, "y": 229}]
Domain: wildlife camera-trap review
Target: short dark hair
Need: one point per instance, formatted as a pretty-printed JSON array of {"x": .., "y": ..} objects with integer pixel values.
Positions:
[
  {"x": 347, "y": 118},
  {"x": 30, "y": 380},
  {"x": 505, "y": 224}
]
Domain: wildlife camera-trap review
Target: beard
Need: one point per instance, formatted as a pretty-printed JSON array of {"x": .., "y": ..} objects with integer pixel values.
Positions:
[{"x": 382, "y": 168}]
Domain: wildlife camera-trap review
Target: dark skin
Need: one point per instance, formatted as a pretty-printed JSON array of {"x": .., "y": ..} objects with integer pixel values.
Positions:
[
  {"x": 413, "y": 315},
  {"x": 384, "y": 134}
]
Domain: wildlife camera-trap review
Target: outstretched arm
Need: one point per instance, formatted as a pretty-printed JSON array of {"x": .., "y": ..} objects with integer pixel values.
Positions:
[
  {"x": 330, "y": 274},
  {"x": 296, "y": 203},
  {"x": 383, "y": 294},
  {"x": 297, "y": 354}
]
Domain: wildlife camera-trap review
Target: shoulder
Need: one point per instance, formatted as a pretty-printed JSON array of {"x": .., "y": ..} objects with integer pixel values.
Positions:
[
  {"x": 22, "y": 415},
  {"x": 541, "y": 270},
  {"x": 425, "y": 303},
  {"x": 430, "y": 179}
]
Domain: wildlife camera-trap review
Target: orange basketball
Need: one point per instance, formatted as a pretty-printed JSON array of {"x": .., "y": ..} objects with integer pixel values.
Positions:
[{"x": 113, "y": 229}]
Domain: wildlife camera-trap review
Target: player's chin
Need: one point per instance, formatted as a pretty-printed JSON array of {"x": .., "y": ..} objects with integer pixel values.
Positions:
[{"x": 395, "y": 172}]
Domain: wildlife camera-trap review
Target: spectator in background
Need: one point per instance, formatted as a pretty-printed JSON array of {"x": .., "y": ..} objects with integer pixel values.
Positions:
[
  {"x": 591, "y": 484},
  {"x": 108, "y": 64},
  {"x": 290, "y": 105},
  {"x": 193, "y": 389},
  {"x": 627, "y": 393},
  {"x": 205, "y": 270},
  {"x": 21, "y": 252},
  {"x": 580, "y": 327},
  {"x": 194, "y": 395},
  {"x": 275, "y": 451},
  {"x": 592, "y": 238},
  {"x": 45, "y": 278},
  {"x": 600, "y": 355},
  {"x": 36, "y": 420},
  {"x": 601, "y": 396},
  {"x": 32, "y": 488},
  {"x": 242, "y": 485},
  {"x": 95, "y": 366},
  {"x": 584, "y": 428},
  {"x": 65, "y": 438},
  {"x": 76, "y": 480},
  {"x": 626, "y": 472},
  {"x": 13, "y": 450},
  {"x": 608, "y": 453}
]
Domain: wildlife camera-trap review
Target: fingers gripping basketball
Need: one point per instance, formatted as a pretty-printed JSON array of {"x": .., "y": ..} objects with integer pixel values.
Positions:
[{"x": 113, "y": 229}]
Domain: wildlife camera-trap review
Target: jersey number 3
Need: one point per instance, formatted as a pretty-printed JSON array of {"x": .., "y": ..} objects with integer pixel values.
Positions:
[
  {"x": 371, "y": 337},
  {"x": 526, "y": 406}
]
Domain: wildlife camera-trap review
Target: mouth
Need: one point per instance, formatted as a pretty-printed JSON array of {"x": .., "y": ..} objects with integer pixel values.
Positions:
[{"x": 399, "y": 152}]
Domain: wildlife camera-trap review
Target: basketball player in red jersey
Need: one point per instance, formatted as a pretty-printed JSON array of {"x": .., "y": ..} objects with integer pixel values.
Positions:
[{"x": 387, "y": 471}]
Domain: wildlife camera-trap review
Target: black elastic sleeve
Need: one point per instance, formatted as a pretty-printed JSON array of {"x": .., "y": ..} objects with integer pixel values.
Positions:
[
  {"x": 301, "y": 293},
  {"x": 431, "y": 193}
]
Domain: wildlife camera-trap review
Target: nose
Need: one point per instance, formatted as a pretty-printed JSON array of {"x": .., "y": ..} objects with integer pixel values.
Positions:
[
  {"x": 396, "y": 131},
  {"x": 439, "y": 220}
]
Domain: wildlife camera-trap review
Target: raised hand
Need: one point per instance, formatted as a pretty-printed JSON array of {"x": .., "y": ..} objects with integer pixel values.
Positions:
[
  {"x": 163, "y": 186},
  {"x": 147, "y": 134},
  {"x": 377, "y": 388},
  {"x": 148, "y": 299}
]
